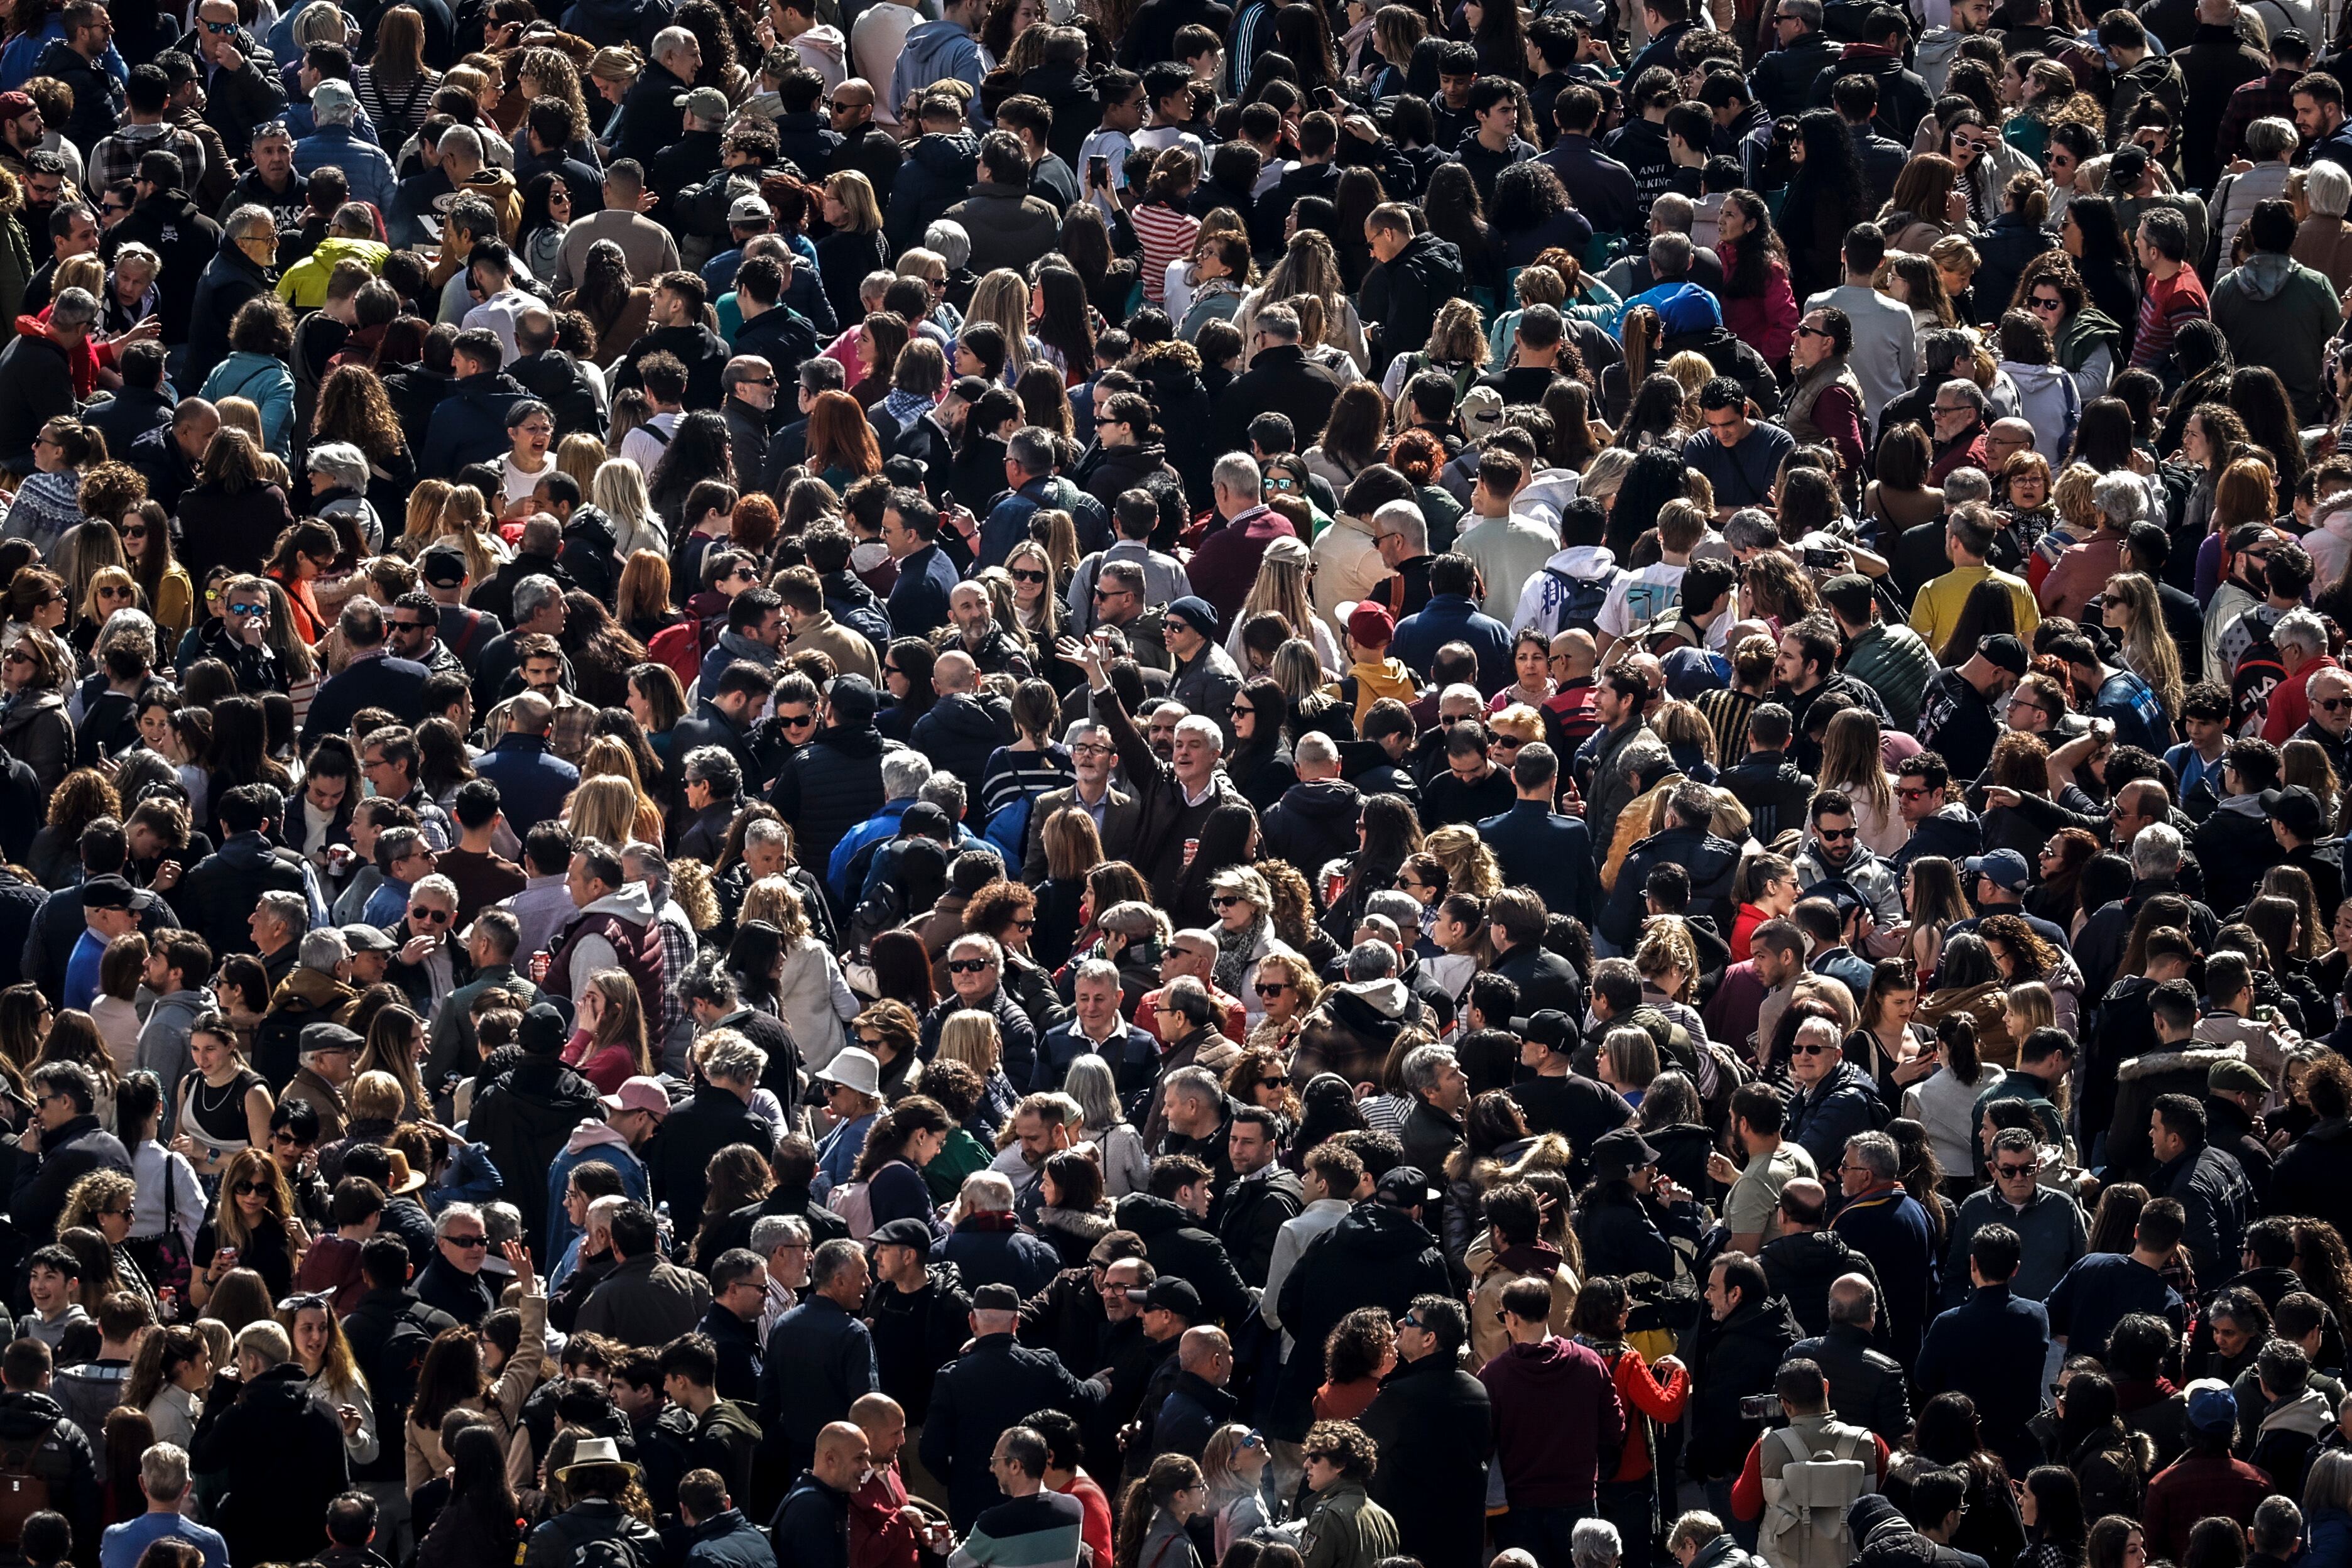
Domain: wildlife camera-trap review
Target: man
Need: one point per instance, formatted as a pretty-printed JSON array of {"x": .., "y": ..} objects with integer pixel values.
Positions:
[
  {"x": 2172, "y": 293},
  {"x": 284, "y": 1447},
  {"x": 650, "y": 250},
  {"x": 1114, "y": 811},
  {"x": 1227, "y": 562},
  {"x": 374, "y": 677},
  {"x": 724, "y": 1434},
  {"x": 974, "y": 1394},
  {"x": 1173, "y": 797},
  {"x": 646, "y": 1299},
  {"x": 1833, "y": 1451},
  {"x": 1413, "y": 273},
  {"x": 1902, "y": 97},
  {"x": 1739, "y": 455},
  {"x": 812, "y": 1525},
  {"x": 1009, "y": 226},
  {"x": 2268, "y": 305},
  {"x": 329, "y": 1052},
  {"x": 1956, "y": 716},
  {"x": 1687, "y": 842},
  {"x": 35, "y": 385},
  {"x": 454, "y": 1282},
  {"x": 2207, "y": 1475},
  {"x": 1036, "y": 1525},
  {"x": 2101, "y": 1289},
  {"x": 164, "y": 1482},
  {"x": 1556, "y": 1410},
  {"x": 1515, "y": 928},
  {"x": 1833, "y": 854},
  {"x": 1830, "y": 1103},
  {"x": 1866, "y": 1386},
  {"x": 615, "y": 931},
  {"x": 1434, "y": 1425},
  {"x": 1892, "y": 660},
  {"x": 1997, "y": 883},
  {"x": 2215, "y": 1199},
  {"x": 112, "y": 907},
  {"x": 78, "y": 59},
  {"x": 1599, "y": 185},
  {"x": 1888, "y": 1225},
  {"x": 1262, "y": 1196},
  {"x": 1751, "y": 1332},
  {"x": 1993, "y": 1345},
  {"x": 820, "y": 1356},
  {"x": 1783, "y": 78},
  {"x": 61, "y": 1458},
  {"x": 1536, "y": 847},
  {"x": 1751, "y": 1212}
]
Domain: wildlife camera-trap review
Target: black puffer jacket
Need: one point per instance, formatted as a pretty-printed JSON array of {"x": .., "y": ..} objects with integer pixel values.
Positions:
[
  {"x": 1739, "y": 1357},
  {"x": 1775, "y": 790},
  {"x": 63, "y": 1459},
  {"x": 1400, "y": 297},
  {"x": 937, "y": 175},
  {"x": 1312, "y": 825},
  {"x": 283, "y": 1452},
  {"x": 524, "y": 1112},
  {"x": 1801, "y": 1266},
  {"x": 961, "y": 732},
  {"x": 1177, "y": 1244},
  {"x": 1711, "y": 861},
  {"x": 830, "y": 785}
]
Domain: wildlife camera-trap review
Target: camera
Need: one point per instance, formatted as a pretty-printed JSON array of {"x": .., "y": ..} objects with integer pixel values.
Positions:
[{"x": 1760, "y": 1406}]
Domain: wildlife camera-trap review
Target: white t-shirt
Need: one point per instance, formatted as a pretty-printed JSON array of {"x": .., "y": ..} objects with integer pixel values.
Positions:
[
  {"x": 1639, "y": 597},
  {"x": 1114, "y": 145},
  {"x": 521, "y": 482},
  {"x": 646, "y": 451}
]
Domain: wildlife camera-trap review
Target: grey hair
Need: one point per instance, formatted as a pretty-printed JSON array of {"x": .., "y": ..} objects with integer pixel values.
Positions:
[
  {"x": 951, "y": 240},
  {"x": 1238, "y": 472},
  {"x": 771, "y": 1231},
  {"x": 1401, "y": 908},
  {"x": 1197, "y": 1084},
  {"x": 734, "y": 1061},
  {"x": 1854, "y": 1300},
  {"x": 1675, "y": 212},
  {"x": 131, "y": 253},
  {"x": 1279, "y": 323},
  {"x": 339, "y": 460},
  {"x": 2155, "y": 851},
  {"x": 1371, "y": 960},
  {"x": 291, "y": 910},
  {"x": 765, "y": 831},
  {"x": 986, "y": 1192},
  {"x": 945, "y": 791},
  {"x": 669, "y": 40},
  {"x": 1967, "y": 390},
  {"x": 1875, "y": 1151},
  {"x": 1594, "y": 1543},
  {"x": 904, "y": 773},
  {"x": 534, "y": 594},
  {"x": 75, "y": 308},
  {"x": 1422, "y": 1065},
  {"x": 1316, "y": 747},
  {"x": 441, "y": 1221},
  {"x": 1244, "y": 883},
  {"x": 831, "y": 1261},
  {"x": 1095, "y": 969},
  {"x": 1406, "y": 517},
  {"x": 2304, "y": 628},
  {"x": 1136, "y": 921},
  {"x": 247, "y": 218},
  {"x": 1750, "y": 527},
  {"x": 977, "y": 942},
  {"x": 164, "y": 1472},
  {"x": 1974, "y": 484},
  {"x": 1031, "y": 447},
  {"x": 2269, "y": 137},
  {"x": 2327, "y": 187},
  {"x": 2121, "y": 499},
  {"x": 1809, "y": 12},
  {"x": 1671, "y": 254},
  {"x": 1092, "y": 1085}
]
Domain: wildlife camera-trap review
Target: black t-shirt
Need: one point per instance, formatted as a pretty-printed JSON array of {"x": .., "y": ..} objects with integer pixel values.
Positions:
[
  {"x": 265, "y": 1253},
  {"x": 1957, "y": 722}
]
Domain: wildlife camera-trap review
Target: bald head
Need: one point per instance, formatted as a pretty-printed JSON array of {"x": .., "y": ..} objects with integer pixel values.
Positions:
[
  {"x": 2011, "y": 435},
  {"x": 1576, "y": 649},
  {"x": 1206, "y": 1353},
  {"x": 1854, "y": 1302},
  {"x": 842, "y": 1452},
  {"x": 954, "y": 671}
]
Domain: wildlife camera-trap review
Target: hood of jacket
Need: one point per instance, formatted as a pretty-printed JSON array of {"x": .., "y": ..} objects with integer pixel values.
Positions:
[
  {"x": 1426, "y": 250},
  {"x": 2306, "y": 1415},
  {"x": 24, "y": 1414},
  {"x": 1376, "y": 1232},
  {"x": 630, "y": 901},
  {"x": 935, "y": 48},
  {"x": 1324, "y": 800},
  {"x": 1387, "y": 998},
  {"x": 2201, "y": 1059},
  {"x": 592, "y": 1133},
  {"x": 1149, "y": 1216},
  {"x": 2037, "y": 379},
  {"x": 1885, "y": 1538},
  {"x": 821, "y": 40},
  {"x": 2264, "y": 274},
  {"x": 947, "y": 154},
  {"x": 1585, "y": 562},
  {"x": 1551, "y": 1361}
]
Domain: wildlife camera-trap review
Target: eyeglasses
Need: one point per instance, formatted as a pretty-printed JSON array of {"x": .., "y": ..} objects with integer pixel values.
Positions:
[
  {"x": 1093, "y": 749},
  {"x": 222, "y": 28},
  {"x": 1812, "y": 1050},
  {"x": 1280, "y": 1081},
  {"x": 1027, "y": 574},
  {"x": 970, "y": 965},
  {"x": 1319, "y": 1458},
  {"x": 468, "y": 1241},
  {"x": 238, "y": 609},
  {"x": 431, "y": 916},
  {"x": 1803, "y": 332},
  {"x": 1913, "y": 793},
  {"x": 412, "y": 626},
  {"x": 2331, "y": 704},
  {"x": 113, "y": 593}
]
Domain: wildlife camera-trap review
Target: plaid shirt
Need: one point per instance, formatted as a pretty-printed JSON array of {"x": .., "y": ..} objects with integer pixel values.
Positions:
[
  {"x": 678, "y": 957},
  {"x": 567, "y": 732},
  {"x": 116, "y": 157},
  {"x": 2273, "y": 96}
]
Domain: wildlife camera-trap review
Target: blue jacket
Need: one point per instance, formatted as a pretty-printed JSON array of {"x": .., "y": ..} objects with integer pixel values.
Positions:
[
  {"x": 1008, "y": 520},
  {"x": 1890, "y": 1228},
  {"x": 918, "y": 603},
  {"x": 819, "y": 1359},
  {"x": 1455, "y": 617},
  {"x": 883, "y": 824},
  {"x": 975, "y": 1397},
  {"x": 634, "y": 1186},
  {"x": 1711, "y": 862},
  {"x": 1823, "y": 1118},
  {"x": 986, "y": 1256},
  {"x": 1134, "y": 1058},
  {"x": 397, "y": 685},
  {"x": 1992, "y": 1348},
  {"x": 728, "y": 1541},
  {"x": 812, "y": 1524},
  {"x": 936, "y": 51},
  {"x": 265, "y": 379},
  {"x": 373, "y": 178},
  {"x": 1538, "y": 848},
  {"x": 533, "y": 782}
]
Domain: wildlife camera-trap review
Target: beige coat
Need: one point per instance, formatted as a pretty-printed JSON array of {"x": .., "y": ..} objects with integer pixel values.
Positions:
[{"x": 501, "y": 1402}]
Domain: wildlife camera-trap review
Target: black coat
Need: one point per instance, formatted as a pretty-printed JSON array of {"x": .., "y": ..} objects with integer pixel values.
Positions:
[
  {"x": 282, "y": 1450},
  {"x": 975, "y": 1397},
  {"x": 1400, "y": 297},
  {"x": 1254, "y": 1212},
  {"x": 1740, "y": 1357},
  {"x": 1375, "y": 1257},
  {"x": 1775, "y": 791},
  {"x": 1176, "y": 1243},
  {"x": 1312, "y": 824},
  {"x": 1802, "y": 1265},
  {"x": 1281, "y": 380},
  {"x": 1783, "y": 80},
  {"x": 692, "y": 1132},
  {"x": 35, "y": 386},
  {"x": 1867, "y": 1385},
  {"x": 229, "y": 280},
  {"x": 2313, "y": 1175},
  {"x": 169, "y": 224},
  {"x": 1435, "y": 1428},
  {"x": 68, "y": 1153},
  {"x": 829, "y": 786},
  {"x": 525, "y": 1111}
]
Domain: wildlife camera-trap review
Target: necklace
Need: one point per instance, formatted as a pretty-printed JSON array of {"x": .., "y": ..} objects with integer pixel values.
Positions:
[{"x": 205, "y": 1105}]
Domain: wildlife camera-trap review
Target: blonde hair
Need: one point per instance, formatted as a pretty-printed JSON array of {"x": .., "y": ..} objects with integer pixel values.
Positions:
[
  {"x": 1002, "y": 300},
  {"x": 778, "y": 902},
  {"x": 1470, "y": 865},
  {"x": 605, "y": 809},
  {"x": 427, "y": 502},
  {"x": 970, "y": 1037},
  {"x": 2148, "y": 649},
  {"x": 855, "y": 192},
  {"x": 2030, "y": 1006}
]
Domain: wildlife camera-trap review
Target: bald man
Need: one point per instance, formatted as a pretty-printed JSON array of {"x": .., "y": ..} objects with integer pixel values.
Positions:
[
  {"x": 1198, "y": 1403},
  {"x": 1867, "y": 1385},
  {"x": 912, "y": 1523},
  {"x": 812, "y": 1529},
  {"x": 964, "y": 728}
]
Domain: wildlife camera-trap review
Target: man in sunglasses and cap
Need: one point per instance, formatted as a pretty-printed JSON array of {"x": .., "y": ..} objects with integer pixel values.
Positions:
[{"x": 111, "y": 908}]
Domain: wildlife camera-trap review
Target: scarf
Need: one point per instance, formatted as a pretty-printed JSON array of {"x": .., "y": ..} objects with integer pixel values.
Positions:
[
  {"x": 1234, "y": 949},
  {"x": 905, "y": 406}
]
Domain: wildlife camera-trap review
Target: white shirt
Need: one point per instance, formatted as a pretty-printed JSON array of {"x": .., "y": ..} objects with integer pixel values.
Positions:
[
  {"x": 498, "y": 312},
  {"x": 1113, "y": 145},
  {"x": 1637, "y": 598},
  {"x": 521, "y": 482},
  {"x": 646, "y": 451}
]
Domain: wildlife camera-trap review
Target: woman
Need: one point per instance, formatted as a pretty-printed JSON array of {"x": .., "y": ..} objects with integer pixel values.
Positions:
[
  {"x": 2092, "y": 235},
  {"x": 1944, "y": 1102},
  {"x": 2112, "y": 1462},
  {"x": 1092, "y": 1082},
  {"x": 33, "y": 673},
  {"x": 1851, "y": 762},
  {"x": 1161, "y": 223},
  {"x": 972, "y": 1038},
  {"x": 330, "y": 1372},
  {"x": 1757, "y": 306},
  {"x": 841, "y": 444},
  {"x": 1073, "y": 1214},
  {"x": 238, "y": 510},
  {"x": 1154, "y": 1511},
  {"x": 1234, "y": 1463},
  {"x": 1926, "y": 205},
  {"x": 1894, "y": 1051},
  {"x": 1034, "y": 762},
  {"x": 852, "y": 245},
  {"x": 261, "y": 339},
  {"x": 1947, "y": 1435},
  {"x": 470, "y": 1367},
  {"x": 48, "y": 502},
  {"x": 546, "y": 214},
  {"x": 1968, "y": 982},
  {"x": 480, "y": 1524},
  {"x": 163, "y": 582},
  {"x": 1259, "y": 759},
  {"x": 2024, "y": 958},
  {"x": 618, "y": 310},
  {"x": 1358, "y": 1354},
  {"x": 2051, "y": 1504},
  {"x": 225, "y": 1105},
  {"x": 252, "y": 1225},
  {"x": 303, "y": 554},
  {"x": 906, "y": 1139},
  {"x": 608, "y": 1043},
  {"x": 1624, "y": 1217},
  {"x": 1766, "y": 889}
]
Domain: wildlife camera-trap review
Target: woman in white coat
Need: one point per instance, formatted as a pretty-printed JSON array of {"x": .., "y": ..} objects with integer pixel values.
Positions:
[{"x": 812, "y": 997}]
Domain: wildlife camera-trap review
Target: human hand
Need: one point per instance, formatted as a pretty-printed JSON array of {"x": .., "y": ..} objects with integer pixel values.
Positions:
[
  {"x": 349, "y": 1414},
  {"x": 518, "y": 1257},
  {"x": 2000, "y": 795},
  {"x": 1719, "y": 1168},
  {"x": 1955, "y": 208},
  {"x": 167, "y": 876},
  {"x": 415, "y": 949}
]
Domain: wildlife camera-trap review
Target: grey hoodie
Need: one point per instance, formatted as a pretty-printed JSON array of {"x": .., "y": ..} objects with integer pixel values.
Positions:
[{"x": 936, "y": 51}]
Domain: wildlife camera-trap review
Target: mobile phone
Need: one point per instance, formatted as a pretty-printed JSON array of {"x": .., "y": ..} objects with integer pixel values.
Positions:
[
  {"x": 1099, "y": 170},
  {"x": 1326, "y": 97}
]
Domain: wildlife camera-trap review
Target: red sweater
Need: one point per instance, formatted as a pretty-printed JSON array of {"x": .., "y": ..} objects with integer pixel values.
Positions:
[
  {"x": 1748, "y": 1491},
  {"x": 1556, "y": 1408}
]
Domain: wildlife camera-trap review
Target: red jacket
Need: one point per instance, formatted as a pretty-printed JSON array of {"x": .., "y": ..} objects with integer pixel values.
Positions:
[
  {"x": 2197, "y": 1486},
  {"x": 1638, "y": 1385},
  {"x": 879, "y": 1537},
  {"x": 1748, "y": 1491},
  {"x": 2290, "y": 707}
]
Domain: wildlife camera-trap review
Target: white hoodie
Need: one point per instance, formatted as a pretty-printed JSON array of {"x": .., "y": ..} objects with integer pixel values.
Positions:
[
  {"x": 825, "y": 51},
  {"x": 633, "y": 904},
  {"x": 1541, "y": 600},
  {"x": 2047, "y": 399}
]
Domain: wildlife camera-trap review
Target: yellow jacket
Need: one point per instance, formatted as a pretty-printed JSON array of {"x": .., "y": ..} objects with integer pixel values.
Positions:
[{"x": 304, "y": 286}]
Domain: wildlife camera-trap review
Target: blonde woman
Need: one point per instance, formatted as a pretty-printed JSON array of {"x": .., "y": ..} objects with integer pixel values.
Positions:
[
  {"x": 1002, "y": 300},
  {"x": 813, "y": 997},
  {"x": 1851, "y": 762},
  {"x": 465, "y": 523},
  {"x": 852, "y": 245},
  {"x": 1281, "y": 589},
  {"x": 581, "y": 454},
  {"x": 330, "y": 1372},
  {"x": 2131, "y": 609},
  {"x": 1309, "y": 265},
  {"x": 427, "y": 502},
  {"x": 605, "y": 809},
  {"x": 970, "y": 1037},
  {"x": 620, "y": 494},
  {"x": 608, "y": 757},
  {"x": 1470, "y": 865},
  {"x": 1285, "y": 989}
]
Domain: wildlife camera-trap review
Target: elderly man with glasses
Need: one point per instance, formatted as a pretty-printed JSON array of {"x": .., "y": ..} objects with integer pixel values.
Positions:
[
  {"x": 431, "y": 962},
  {"x": 2048, "y": 1222},
  {"x": 454, "y": 1282},
  {"x": 975, "y": 976}
]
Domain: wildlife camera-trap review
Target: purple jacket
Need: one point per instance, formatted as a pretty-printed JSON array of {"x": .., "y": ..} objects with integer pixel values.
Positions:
[{"x": 1556, "y": 1407}]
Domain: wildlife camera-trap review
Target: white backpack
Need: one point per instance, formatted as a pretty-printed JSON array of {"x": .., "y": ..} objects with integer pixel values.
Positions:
[{"x": 1804, "y": 1524}]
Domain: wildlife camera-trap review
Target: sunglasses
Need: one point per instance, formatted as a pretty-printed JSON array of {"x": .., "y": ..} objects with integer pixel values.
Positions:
[
  {"x": 468, "y": 1241},
  {"x": 1813, "y": 333},
  {"x": 222, "y": 28},
  {"x": 1273, "y": 988},
  {"x": 801, "y": 723},
  {"x": 250, "y": 1189},
  {"x": 1836, "y": 835},
  {"x": 970, "y": 965},
  {"x": 236, "y": 609},
  {"x": 1812, "y": 1050},
  {"x": 1280, "y": 1081},
  {"x": 2332, "y": 704},
  {"x": 114, "y": 593},
  {"x": 2010, "y": 1172},
  {"x": 412, "y": 626},
  {"x": 1920, "y": 792},
  {"x": 1223, "y": 901},
  {"x": 2038, "y": 303},
  {"x": 434, "y": 917},
  {"x": 1027, "y": 574}
]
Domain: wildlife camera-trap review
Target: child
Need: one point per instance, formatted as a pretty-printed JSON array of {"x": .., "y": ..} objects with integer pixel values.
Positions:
[{"x": 56, "y": 1288}]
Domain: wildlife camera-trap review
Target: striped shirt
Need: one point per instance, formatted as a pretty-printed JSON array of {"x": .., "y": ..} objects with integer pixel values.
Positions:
[
  {"x": 1167, "y": 233},
  {"x": 1041, "y": 1530}
]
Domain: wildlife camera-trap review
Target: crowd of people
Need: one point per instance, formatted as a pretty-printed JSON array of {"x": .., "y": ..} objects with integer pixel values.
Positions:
[{"x": 827, "y": 784}]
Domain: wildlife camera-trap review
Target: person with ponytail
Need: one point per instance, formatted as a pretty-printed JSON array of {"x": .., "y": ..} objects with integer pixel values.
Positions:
[{"x": 1153, "y": 1513}]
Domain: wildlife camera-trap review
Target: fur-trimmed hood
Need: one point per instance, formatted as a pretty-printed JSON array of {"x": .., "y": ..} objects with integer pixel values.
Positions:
[
  {"x": 1087, "y": 1225},
  {"x": 2178, "y": 1059}
]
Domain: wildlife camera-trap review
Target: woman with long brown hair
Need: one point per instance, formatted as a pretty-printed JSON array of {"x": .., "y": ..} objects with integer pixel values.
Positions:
[
  {"x": 353, "y": 407},
  {"x": 617, "y": 307},
  {"x": 252, "y": 1225},
  {"x": 841, "y": 444},
  {"x": 478, "y": 1368},
  {"x": 608, "y": 1045},
  {"x": 395, "y": 87}
]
